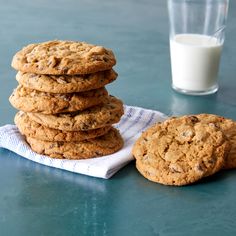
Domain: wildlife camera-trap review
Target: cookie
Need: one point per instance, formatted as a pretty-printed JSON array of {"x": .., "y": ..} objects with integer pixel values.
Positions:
[
  {"x": 107, "y": 144},
  {"x": 30, "y": 100},
  {"x": 91, "y": 118},
  {"x": 228, "y": 127},
  {"x": 230, "y": 162},
  {"x": 63, "y": 58},
  {"x": 66, "y": 83},
  {"x": 34, "y": 130},
  {"x": 180, "y": 151}
]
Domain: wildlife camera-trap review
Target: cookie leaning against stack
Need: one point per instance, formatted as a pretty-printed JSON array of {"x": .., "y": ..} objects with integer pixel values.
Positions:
[
  {"x": 65, "y": 110},
  {"x": 183, "y": 150}
]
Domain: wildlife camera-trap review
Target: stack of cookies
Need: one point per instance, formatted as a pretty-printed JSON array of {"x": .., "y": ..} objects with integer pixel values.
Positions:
[
  {"x": 65, "y": 110},
  {"x": 186, "y": 149}
]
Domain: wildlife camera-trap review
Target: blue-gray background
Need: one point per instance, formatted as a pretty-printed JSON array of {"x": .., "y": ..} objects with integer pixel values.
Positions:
[{"x": 37, "y": 200}]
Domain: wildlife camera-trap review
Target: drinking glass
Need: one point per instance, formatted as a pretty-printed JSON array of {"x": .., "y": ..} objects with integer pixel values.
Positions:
[{"x": 197, "y": 32}]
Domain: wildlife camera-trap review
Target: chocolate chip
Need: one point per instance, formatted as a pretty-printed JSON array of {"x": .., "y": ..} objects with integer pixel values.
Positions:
[
  {"x": 59, "y": 144},
  {"x": 193, "y": 119}
]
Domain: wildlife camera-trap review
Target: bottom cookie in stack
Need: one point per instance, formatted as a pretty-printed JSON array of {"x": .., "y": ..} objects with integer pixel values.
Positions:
[
  {"x": 104, "y": 145},
  {"x": 69, "y": 144}
]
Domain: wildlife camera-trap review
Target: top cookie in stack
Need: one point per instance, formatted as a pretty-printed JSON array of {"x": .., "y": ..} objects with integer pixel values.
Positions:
[
  {"x": 63, "y": 58},
  {"x": 66, "y": 111}
]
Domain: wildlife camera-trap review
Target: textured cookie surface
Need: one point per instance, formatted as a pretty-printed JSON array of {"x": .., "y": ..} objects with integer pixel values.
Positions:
[
  {"x": 63, "y": 57},
  {"x": 180, "y": 151},
  {"x": 91, "y": 118},
  {"x": 231, "y": 158},
  {"x": 104, "y": 145},
  {"x": 30, "y": 100},
  {"x": 66, "y": 83},
  {"x": 34, "y": 130},
  {"x": 228, "y": 127}
]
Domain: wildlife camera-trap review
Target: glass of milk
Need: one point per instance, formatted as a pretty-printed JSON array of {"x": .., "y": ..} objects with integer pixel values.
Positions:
[{"x": 197, "y": 31}]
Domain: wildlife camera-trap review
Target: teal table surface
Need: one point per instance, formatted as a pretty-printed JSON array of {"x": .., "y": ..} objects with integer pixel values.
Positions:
[{"x": 38, "y": 200}]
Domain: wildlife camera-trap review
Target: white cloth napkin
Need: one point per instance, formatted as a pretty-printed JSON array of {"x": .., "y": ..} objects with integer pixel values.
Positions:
[{"x": 133, "y": 122}]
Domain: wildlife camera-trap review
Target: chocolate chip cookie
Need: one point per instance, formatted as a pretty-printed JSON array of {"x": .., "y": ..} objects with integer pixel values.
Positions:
[
  {"x": 228, "y": 127},
  {"x": 66, "y": 83},
  {"x": 180, "y": 151},
  {"x": 107, "y": 144},
  {"x": 30, "y": 100},
  {"x": 91, "y": 118},
  {"x": 35, "y": 130},
  {"x": 63, "y": 58}
]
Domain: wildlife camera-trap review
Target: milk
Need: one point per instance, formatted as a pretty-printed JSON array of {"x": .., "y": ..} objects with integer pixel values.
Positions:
[{"x": 194, "y": 62}]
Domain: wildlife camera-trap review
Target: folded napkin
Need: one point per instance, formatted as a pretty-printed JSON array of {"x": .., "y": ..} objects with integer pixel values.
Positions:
[{"x": 133, "y": 122}]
